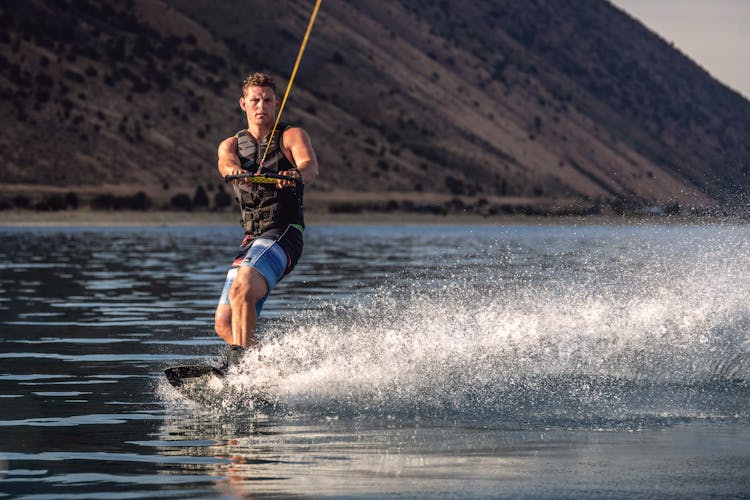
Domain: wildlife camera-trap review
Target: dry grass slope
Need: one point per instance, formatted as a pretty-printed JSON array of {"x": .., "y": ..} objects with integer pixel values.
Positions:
[{"x": 491, "y": 106}]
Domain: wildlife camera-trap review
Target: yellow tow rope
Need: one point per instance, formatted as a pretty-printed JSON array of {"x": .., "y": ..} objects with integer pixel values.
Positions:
[{"x": 291, "y": 79}]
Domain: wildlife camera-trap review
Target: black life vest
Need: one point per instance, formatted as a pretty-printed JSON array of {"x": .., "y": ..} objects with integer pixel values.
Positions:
[{"x": 263, "y": 206}]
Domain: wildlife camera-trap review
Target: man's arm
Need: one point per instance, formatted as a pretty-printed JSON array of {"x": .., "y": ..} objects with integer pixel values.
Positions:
[
  {"x": 229, "y": 162},
  {"x": 297, "y": 145}
]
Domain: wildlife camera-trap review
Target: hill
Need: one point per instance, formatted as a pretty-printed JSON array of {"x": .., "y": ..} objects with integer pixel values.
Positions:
[{"x": 489, "y": 106}]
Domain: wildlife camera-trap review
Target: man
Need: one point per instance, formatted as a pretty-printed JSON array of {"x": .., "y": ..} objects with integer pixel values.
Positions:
[{"x": 272, "y": 214}]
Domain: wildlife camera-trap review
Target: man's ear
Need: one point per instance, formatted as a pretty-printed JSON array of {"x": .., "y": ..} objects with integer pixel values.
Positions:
[{"x": 242, "y": 103}]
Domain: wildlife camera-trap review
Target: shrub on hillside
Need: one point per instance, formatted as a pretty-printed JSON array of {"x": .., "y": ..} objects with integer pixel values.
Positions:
[
  {"x": 138, "y": 201},
  {"x": 200, "y": 199},
  {"x": 181, "y": 201},
  {"x": 222, "y": 200},
  {"x": 53, "y": 202}
]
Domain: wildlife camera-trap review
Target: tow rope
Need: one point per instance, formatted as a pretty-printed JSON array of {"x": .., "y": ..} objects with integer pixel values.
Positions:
[{"x": 291, "y": 79}]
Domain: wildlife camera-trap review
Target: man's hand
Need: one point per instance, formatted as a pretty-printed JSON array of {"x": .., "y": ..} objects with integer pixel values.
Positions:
[
  {"x": 283, "y": 183},
  {"x": 239, "y": 182}
]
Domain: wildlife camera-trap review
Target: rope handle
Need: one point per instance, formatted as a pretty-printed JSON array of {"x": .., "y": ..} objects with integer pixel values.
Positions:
[{"x": 262, "y": 178}]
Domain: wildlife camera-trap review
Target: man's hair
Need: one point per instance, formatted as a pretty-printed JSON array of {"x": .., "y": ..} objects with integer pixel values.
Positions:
[{"x": 258, "y": 80}]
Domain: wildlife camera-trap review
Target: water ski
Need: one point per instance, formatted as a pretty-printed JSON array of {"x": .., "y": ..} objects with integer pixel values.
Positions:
[
  {"x": 204, "y": 384},
  {"x": 188, "y": 375}
]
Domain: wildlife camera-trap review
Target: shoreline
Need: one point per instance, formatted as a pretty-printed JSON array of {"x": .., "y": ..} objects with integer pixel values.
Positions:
[{"x": 125, "y": 218}]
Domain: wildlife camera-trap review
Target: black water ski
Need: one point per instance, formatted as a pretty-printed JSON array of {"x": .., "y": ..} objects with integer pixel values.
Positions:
[
  {"x": 203, "y": 384},
  {"x": 178, "y": 376}
]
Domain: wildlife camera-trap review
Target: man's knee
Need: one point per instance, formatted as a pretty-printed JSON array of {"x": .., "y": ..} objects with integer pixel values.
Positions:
[
  {"x": 223, "y": 323},
  {"x": 248, "y": 287},
  {"x": 223, "y": 318},
  {"x": 240, "y": 291}
]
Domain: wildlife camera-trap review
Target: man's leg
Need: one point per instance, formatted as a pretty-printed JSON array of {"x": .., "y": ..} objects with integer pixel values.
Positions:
[
  {"x": 223, "y": 322},
  {"x": 248, "y": 288},
  {"x": 223, "y": 315},
  {"x": 245, "y": 290}
]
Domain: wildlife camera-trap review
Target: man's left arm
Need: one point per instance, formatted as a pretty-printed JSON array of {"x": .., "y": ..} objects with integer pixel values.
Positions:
[{"x": 298, "y": 146}]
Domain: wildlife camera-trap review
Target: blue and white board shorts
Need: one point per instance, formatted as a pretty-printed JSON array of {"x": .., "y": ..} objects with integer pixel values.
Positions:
[{"x": 265, "y": 256}]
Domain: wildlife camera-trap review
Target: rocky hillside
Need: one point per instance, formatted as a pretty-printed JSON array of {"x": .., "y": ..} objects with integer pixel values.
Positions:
[{"x": 487, "y": 105}]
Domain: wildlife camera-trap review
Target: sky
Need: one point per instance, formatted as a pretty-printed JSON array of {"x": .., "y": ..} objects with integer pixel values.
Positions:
[{"x": 713, "y": 33}]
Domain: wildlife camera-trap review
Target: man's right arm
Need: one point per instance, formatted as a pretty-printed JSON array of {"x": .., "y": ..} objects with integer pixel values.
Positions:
[{"x": 229, "y": 162}]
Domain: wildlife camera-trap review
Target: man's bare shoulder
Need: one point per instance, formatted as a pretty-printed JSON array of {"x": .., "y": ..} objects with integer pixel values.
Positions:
[
  {"x": 295, "y": 134},
  {"x": 228, "y": 145}
]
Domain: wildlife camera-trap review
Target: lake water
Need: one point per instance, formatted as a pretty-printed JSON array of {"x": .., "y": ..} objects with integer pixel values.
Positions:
[{"x": 414, "y": 361}]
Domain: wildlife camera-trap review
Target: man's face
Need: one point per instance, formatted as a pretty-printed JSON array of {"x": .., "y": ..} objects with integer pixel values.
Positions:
[{"x": 259, "y": 104}]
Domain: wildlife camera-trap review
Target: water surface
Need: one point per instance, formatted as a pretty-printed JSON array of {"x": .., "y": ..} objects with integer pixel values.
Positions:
[{"x": 424, "y": 361}]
